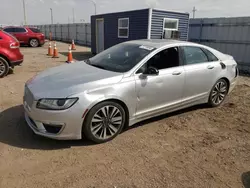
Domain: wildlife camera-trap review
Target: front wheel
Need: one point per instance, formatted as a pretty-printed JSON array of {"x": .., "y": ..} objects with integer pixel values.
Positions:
[
  {"x": 34, "y": 43},
  {"x": 104, "y": 122},
  {"x": 218, "y": 93},
  {"x": 4, "y": 67}
]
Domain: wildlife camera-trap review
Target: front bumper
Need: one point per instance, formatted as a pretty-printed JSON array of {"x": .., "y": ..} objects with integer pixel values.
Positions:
[
  {"x": 70, "y": 124},
  {"x": 42, "y": 42}
]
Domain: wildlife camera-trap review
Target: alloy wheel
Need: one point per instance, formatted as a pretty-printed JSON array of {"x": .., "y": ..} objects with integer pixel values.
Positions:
[
  {"x": 219, "y": 92},
  {"x": 2, "y": 68},
  {"x": 106, "y": 122},
  {"x": 34, "y": 42}
]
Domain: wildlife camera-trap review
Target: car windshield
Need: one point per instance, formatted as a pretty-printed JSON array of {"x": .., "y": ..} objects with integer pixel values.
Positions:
[
  {"x": 120, "y": 58},
  {"x": 35, "y": 30}
]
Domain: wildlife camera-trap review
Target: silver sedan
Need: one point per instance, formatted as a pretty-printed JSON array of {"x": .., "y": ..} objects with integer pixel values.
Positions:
[{"x": 123, "y": 85}]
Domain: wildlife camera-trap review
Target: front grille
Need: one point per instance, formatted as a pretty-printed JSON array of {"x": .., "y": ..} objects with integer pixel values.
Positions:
[
  {"x": 28, "y": 96},
  {"x": 54, "y": 129}
]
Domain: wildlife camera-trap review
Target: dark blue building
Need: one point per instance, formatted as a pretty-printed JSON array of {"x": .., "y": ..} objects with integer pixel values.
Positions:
[{"x": 113, "y": 28}]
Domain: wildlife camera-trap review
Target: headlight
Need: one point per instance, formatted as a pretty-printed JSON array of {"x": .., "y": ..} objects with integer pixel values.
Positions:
[{"x": 56, "y": 104}]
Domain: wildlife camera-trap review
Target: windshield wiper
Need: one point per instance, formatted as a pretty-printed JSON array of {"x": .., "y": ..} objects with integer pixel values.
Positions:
[
  {"x": 87, "y": 61},
  {"x": 98, "y": 66}
]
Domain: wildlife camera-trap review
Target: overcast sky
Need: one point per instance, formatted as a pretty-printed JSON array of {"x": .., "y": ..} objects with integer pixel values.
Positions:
[{"x": 38, "y": 11}]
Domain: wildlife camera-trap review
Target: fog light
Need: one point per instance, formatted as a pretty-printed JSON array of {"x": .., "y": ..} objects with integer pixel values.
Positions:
[{"x": 54, "y": 129}]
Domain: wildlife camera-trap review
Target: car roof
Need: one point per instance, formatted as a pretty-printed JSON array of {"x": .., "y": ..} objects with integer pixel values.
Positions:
[
  {"x": 14, "y": 27},
  {"x": 26, "y": 27},
  {"x": 157, "y": 43}
]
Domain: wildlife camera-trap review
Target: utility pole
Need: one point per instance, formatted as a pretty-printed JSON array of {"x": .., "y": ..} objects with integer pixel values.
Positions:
[
  {"x": 24, "y": 13},
  {"x": 194, "y": 10},
  {"x": 51, "y": 15},
  {"x": 94, "y": 5},
  {"x": 73, "y": 15}
]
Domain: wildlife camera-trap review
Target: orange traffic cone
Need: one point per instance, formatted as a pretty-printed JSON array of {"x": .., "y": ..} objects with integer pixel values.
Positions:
[
  {"x": 70, "y": 57},
  {"x": 55, "y": 52},
  {"x": 50, "y": 50},
  {"x": 73, "y": 45}
]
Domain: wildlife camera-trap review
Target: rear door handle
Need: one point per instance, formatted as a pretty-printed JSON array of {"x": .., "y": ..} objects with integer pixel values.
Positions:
[
  {"x": 176, "y": 73},
  {"x": 210, "y": 66}
]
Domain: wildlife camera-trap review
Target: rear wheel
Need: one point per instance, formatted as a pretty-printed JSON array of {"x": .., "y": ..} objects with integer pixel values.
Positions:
[
  {"x": 34, "y": 43},
  {"x": 11, "y": 70},
  {"x": 4, "y": 67},
  {"x": 104, "y": 122},
  {"x": 218, "y": 93}
]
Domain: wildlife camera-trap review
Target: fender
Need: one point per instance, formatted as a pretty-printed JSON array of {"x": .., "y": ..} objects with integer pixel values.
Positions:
[
  {"x": 4, "y": 53},
  {"x": 105, "y": 98}
]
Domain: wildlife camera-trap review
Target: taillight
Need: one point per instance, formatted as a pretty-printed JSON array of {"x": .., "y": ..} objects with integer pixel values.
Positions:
[{"x": 14, "y": 45}]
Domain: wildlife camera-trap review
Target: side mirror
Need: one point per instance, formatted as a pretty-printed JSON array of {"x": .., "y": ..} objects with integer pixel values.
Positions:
[{"x": 151, "y": 71}]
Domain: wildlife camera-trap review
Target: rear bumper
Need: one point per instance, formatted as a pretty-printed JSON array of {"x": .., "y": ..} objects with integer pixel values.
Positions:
[
  {"x": 15, "y": 57},
  {"x": 233, "y": 84},
  {"x": 16, "y": 63}
]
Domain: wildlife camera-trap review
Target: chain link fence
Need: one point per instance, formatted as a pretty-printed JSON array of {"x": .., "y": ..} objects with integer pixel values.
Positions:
[
  {"x": 228, "y": 35},
  {"x": 80, "y": 32}
]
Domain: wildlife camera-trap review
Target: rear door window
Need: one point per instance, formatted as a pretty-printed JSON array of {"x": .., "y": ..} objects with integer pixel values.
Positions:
[
  {"x": 194, "y": 55},
  {"x": 20, "y": 30},
  {"x": 210, "y": 55},
  {"x": 35, "y": 30}
]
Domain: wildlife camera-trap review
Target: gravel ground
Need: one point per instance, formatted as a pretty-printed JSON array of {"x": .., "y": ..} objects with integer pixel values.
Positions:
[{"x": 197, "y": 147}]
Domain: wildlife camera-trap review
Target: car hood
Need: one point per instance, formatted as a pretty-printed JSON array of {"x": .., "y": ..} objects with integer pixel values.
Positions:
[{"x": 70, "y": 79}]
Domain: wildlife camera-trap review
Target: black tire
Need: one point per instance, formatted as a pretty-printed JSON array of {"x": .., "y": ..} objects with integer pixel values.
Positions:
[
  {"x": 211, "y": 101},
  {"x": 11, "y": 70},
  {"x": 34, "y": 43},
  {"x": 4, "y": 67},
  {"x": 88, "y": 121}
]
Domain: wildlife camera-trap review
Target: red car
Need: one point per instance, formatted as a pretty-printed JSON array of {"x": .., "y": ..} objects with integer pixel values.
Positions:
[
  {"x": 27, "y": 35},
  {"x": 10, "y": 54}
]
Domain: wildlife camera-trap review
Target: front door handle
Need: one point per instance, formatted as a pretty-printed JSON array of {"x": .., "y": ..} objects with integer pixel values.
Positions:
[
  {"x": 176, "y": 73},
  {"x": 210, "y": 66}
]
